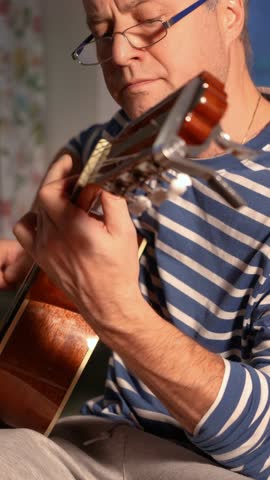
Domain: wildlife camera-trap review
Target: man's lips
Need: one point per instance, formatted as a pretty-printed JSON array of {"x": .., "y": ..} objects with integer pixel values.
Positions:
[{"x": 137, "y": 84}]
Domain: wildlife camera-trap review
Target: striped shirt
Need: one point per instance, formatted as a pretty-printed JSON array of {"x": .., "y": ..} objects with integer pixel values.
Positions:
[{"x": 206, "y": 270}]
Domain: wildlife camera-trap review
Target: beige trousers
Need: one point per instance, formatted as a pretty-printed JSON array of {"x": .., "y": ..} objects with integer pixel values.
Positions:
[{"x": 89, "y": 448}]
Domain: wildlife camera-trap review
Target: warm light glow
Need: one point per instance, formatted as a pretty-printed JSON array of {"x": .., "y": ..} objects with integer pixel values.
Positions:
[{"x": 91, "y": 342}]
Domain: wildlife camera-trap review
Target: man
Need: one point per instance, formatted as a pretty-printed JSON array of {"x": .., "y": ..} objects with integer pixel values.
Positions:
[{"x": 191, "y": 341}]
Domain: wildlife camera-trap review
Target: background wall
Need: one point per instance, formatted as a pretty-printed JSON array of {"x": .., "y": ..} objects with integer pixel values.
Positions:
[
  {"x": 259, "y": 16},
  {"x": 76, "y": 95},
  {"x": 22, "y": 108}
]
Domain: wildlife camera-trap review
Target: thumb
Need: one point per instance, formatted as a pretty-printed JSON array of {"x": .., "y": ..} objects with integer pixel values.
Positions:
[{"x": 87, "y": 196}]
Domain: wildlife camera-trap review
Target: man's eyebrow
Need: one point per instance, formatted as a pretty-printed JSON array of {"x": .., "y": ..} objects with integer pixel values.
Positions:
[{"x": 95, "y": 17}]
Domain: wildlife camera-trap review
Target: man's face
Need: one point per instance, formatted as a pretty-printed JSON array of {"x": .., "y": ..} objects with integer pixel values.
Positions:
[{"x": 138, "y": 79}]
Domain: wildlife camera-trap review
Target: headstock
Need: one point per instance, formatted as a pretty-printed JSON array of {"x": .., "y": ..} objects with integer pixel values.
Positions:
[{"x": 162, "y": 140}]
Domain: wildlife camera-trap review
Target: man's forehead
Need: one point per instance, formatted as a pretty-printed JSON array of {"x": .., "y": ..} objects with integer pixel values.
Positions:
[
  {"x": 95, "y": 7},
  {"x": 128, "y": 4}
]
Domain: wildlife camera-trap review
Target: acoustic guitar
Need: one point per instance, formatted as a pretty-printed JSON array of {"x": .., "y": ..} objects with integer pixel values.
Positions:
[{"x": 45, "y": 344}]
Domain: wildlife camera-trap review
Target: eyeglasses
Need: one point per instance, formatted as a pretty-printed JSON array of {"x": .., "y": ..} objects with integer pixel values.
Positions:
[{"x": 95, "y": 51}]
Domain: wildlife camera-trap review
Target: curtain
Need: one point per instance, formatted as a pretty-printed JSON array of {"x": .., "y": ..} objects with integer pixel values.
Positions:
[{"x": 22, "y": 108}]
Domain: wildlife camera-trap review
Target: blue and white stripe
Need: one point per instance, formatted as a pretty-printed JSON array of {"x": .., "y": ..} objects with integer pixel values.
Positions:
[{"x": 206, "y": 270}]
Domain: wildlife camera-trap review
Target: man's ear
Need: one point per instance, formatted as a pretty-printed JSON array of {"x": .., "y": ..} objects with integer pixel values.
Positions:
[{"x": 232, "y": 18}]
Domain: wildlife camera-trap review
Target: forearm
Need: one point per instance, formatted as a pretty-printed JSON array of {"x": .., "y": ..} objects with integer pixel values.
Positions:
[
  {"x": 183, "y": 375},
  {"x": 224, "y": 406}
]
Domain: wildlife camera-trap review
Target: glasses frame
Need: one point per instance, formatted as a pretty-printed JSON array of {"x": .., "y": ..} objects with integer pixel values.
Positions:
[{"x": 166, "y": 25}]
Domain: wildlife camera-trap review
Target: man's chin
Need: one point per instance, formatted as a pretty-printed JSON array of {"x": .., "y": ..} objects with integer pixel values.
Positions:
[
  {"x": 137, "y": 105},
  {"x": 136, "y": 109}
]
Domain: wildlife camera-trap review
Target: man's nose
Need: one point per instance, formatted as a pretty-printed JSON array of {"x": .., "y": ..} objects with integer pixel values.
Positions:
[{"x": 122, "y": 51}]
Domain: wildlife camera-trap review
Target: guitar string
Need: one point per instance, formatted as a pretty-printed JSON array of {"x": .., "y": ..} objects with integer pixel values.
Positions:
[{"x": 116, "y": 161}]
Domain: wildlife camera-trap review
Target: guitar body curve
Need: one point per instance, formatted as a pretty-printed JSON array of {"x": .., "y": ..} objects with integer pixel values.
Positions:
[{"x": 42, "y": 355}]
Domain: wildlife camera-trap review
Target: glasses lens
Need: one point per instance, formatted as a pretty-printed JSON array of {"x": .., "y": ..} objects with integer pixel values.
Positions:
[
  {"x": 142, "y": 35},
  {"x": 96, "y": 52},
  {"x": 146, "y": 33}
]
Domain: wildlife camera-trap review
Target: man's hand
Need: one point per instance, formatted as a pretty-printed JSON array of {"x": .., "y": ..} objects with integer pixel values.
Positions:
[
  {"x": 14, "y": 263},
  {"x": 93, "y": 259}
]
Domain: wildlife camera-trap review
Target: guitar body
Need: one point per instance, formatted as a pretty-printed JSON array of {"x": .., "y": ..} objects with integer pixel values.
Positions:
[{"x": 42, "y": 355}]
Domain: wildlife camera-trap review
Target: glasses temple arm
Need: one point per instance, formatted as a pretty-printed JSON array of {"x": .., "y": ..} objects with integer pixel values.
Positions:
[
  {"x": 184, "y": 13},
  {"x": 79, "y": 49}
]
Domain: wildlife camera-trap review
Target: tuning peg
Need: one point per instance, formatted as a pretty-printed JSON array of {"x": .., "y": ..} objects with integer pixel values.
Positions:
[
  {"x": 139, "y": 204},
  {"x": 179, "y": 185},
  {"x": 158, "y": 196},
  {"x": 176, "y": 187},
  {"x": 240, "y": 151}
]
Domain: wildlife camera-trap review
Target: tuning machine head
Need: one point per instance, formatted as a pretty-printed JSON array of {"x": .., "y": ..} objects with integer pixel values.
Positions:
[{"x": 177, "y": 186}]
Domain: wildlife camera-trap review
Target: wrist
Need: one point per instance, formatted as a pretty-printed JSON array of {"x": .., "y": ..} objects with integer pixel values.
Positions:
[
  {"x": 132, "y": 329},
  {"x": 119, "y": 319}
]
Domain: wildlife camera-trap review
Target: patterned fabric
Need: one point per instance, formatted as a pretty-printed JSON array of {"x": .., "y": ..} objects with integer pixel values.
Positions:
[
  {"x": 206, "y": 270},
  {"x": 22, "y": 158}
]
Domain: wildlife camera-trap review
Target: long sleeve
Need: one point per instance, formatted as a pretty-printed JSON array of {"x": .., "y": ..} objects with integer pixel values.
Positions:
[{"x": 236, "y": 430}]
